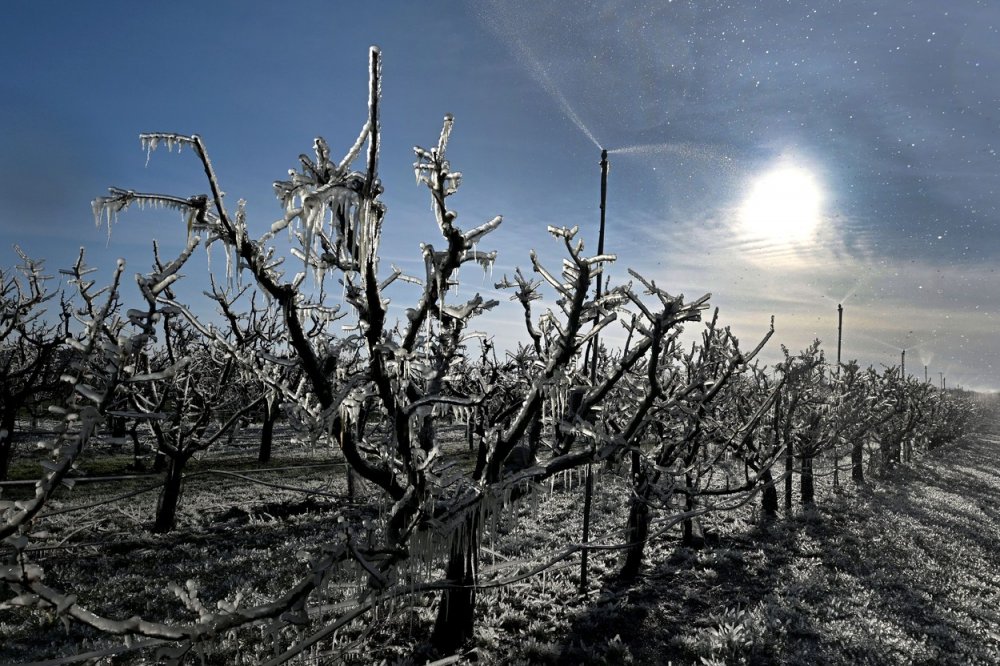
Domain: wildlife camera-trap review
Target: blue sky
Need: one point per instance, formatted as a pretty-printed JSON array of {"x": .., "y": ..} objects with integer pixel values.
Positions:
[{"x": 892, "y": 108}]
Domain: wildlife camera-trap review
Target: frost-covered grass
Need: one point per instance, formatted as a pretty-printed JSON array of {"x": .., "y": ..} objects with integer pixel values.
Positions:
[
  {"x": 903, "y": 571},
  {"x": 104, "y": 459}
]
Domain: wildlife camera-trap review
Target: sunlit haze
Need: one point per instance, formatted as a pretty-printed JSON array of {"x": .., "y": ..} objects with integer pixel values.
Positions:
[{"x": 784, "y": 206}]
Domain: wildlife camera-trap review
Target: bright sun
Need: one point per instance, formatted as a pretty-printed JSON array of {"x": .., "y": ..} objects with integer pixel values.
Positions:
[{"x": 784, "y": 205}]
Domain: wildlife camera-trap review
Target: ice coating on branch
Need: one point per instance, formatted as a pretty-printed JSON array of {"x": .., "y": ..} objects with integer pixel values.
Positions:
[
  {"x": 194, "y": 209},
  {"x": 355, "y": 150},
  {"x": 473, "y": 236},
  {"x": 336, "y": 209},
  {"x": 150, "y": 142},
  {"x": 166, "y": 373},
  {"x": 89, "y": 392}
]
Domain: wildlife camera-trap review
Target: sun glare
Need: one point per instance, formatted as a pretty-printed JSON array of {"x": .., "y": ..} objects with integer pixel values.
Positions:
[{"x": 784, "y": 205}]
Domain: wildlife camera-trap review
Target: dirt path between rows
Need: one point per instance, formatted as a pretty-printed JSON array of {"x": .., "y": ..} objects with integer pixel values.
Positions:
[{"x": 905, "y": 571}]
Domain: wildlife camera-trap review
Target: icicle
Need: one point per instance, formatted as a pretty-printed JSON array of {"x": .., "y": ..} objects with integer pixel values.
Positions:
[
  {"x": 441, "y": 287},
  {"x": 149, "y": 143}
]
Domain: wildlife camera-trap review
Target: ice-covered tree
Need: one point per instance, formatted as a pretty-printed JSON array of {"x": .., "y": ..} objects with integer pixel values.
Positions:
[
  {"x": 31, "y": 339},
  {"x": 683, "y": 432},
  {"x": 689, "y": 423},
  {"x": 407, "y": 373}
]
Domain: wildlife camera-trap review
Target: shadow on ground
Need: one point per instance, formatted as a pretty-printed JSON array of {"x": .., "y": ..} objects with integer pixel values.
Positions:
[{"x": 903, "y": 572}]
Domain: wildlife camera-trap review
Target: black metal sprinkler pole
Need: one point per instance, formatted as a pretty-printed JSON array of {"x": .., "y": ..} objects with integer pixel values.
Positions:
[
  {"x": 604, "y": 199},
  {"x": 600, "y": 251},
  {"x": 840, "y": 332},
  {"x": 589, "y": 490},
  {"x": 902, "y": 366},
  {"x": 840, "y": 337}
]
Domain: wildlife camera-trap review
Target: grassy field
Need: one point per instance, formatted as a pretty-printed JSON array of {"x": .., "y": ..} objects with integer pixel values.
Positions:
[{"x": 903, "y": 571}]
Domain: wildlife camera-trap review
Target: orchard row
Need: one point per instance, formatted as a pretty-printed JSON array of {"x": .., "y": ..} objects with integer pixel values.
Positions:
[{"x": 693, "y": 428}]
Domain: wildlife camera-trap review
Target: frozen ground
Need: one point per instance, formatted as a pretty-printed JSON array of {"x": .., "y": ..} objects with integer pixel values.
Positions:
[{"x": 903, "y": 571}]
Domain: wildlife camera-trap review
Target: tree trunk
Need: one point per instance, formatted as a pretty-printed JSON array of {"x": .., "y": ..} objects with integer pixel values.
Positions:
[
  {"x": 427, "y": 429},
  {"x": 170, "y": 496},
  {"x": 8, "y": 421},
  {"x": 352, "y": 484},
  {"x": 835, "y": 452},
  {"x": 160, "y": 459},
  {"x": 565, "y": 438},
  {"x": 267, "y": 431},
  {"x": 687, "y": 527},
  {"x": 118, "y": 429},
  {"x": 6, "y": 452},
  {"x": 692, "y": 535},
  {"x": 456, "y": 614},
  {"x": 159, "y": 462},
  {"x": 888, "y": 453},
  {"x": 806, "y": 481},
  {"x": 857, "y": 463},
  {"x": 588, "y": 497},
  {"x": 769, "y": 498},
  {"x": 789, "y": 466},
  {"x": 137, "y": 463},
  {"x": 349, "y": 434},
  {"x": 638, "y": 521}
]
